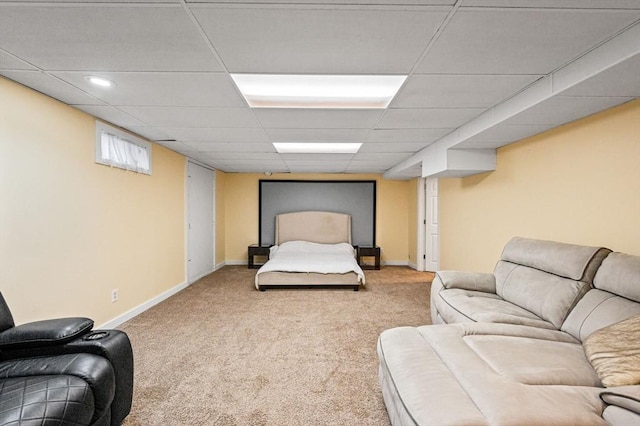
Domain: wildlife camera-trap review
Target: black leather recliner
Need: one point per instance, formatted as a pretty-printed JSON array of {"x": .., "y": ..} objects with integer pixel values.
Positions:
[{"x": 62, "y": 372}]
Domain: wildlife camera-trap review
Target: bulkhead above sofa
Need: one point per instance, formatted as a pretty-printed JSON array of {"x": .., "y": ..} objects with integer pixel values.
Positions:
[{"x": 535, "y": 283}]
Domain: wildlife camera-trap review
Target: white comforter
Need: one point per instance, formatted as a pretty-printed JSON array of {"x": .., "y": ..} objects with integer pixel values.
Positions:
[{"x": 303, "y": 256}]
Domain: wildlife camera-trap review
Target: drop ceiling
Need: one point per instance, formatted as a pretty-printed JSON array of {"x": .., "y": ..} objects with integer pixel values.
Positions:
[{"x": 474, "y": 68}]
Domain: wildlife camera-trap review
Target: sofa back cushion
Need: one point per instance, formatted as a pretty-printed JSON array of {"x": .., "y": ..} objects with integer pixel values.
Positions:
[
  {"x": 615, "y": 298},
  {"x": 545, "y": 277},
  {"x": 620, "y": 274},
  {"x": 576, "y": 262}
]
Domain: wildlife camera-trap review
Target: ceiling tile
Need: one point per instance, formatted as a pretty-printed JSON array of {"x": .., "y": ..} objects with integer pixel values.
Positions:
[
  {"x": 286, "y": 118},
  {"x": 178, "y": 89},
  {"x": 361, "y": 168},
  {"x": 249, "y": 166},
  {"x": 327, "y": 2},
  {"x": 378, "y": 164},
  {"x": 224, "y": 134},
  {"x": 52, "y": 87},
  {"x": 584, "y": 4},
  {"x": 319, "y": 40},
  {"x": 193, "y": 116},
  {"x": 407, "y": 135},
  {"x": 386, "y": 157},
  {"x": 110, "y": 114},
  {"x": 99, "y": 38},
  {"x": 317, "y": 167},
  {"x": 91, "y": 1},
  {"x": 411, "y": 147},
  {"x": 248, "y": 156},
  {"x": 445, "y": 91},
  {"x": 519, "y": 41},
  {"x": 9, "y": 62},
  {"x": 230, "y": 147},
  {"x": 151, "y": 133},
  {"x": 317, "y": 135},
  {"x": 316, "y": 157},
  {"x": 445, "y": 118}
]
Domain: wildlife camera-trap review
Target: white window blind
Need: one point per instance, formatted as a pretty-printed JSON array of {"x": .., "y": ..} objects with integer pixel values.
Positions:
[{"x": 118, "y": 149}]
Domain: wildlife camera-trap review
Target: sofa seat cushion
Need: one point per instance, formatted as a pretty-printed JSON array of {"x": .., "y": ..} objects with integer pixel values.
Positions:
[
  {"x": 58, "y": 399},
  {"x": 458, "y": 305},
  {"x": 444, "y": 374},
  {"x": 535, "y": 361},
  {"x": 417, "y": 387}
]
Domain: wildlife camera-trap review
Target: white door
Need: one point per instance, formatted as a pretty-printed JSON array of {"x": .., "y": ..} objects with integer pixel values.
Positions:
[
  {"x": 200, "y": 221},
  {"x": 432, "y": 242}
]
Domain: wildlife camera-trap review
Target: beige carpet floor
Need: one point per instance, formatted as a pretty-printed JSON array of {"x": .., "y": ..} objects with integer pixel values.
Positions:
[{"x": 222, "y": 353}]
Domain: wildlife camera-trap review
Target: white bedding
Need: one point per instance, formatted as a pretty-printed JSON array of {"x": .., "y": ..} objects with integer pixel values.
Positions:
[{"x": 304, "y": 256}]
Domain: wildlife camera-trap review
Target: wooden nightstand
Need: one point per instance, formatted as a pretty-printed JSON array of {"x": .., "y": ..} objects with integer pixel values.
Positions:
[
  {"x": 363, "y": 251},
  {"x": 256, "y": 250}
]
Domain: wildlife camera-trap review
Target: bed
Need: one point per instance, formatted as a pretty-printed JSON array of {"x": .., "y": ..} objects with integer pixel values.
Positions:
[{"x": 311, "y": 248}]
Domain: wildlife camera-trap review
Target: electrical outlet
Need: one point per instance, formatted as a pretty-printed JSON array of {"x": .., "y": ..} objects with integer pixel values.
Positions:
[{"x": 114, "y": 295}]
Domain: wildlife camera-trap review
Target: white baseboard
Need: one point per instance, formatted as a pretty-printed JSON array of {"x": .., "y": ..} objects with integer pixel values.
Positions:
[
  {"x": 412, "y": 265},
  {"x": 143, "y": 307},
  {"x": 204, "y": 274},
  {"x": 236, "y": 262},
  {"x": 395, "y": 263},
  {"x": 220, "y": 265}
]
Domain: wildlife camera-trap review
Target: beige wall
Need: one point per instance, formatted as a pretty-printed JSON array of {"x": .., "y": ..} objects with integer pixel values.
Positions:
[
  {"x": 241, "y": 203},
  {"x": 72, "y": 230},
  {"x": 579, "y": 183}
]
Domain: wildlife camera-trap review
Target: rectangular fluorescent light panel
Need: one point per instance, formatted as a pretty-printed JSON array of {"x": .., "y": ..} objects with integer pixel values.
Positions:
[
  {"x": 316, "y": 148},
  {"x": 318, "y": 91}
]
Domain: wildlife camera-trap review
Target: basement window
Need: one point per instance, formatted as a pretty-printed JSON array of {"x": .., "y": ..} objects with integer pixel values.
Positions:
[{"x": 116, "y": 148}]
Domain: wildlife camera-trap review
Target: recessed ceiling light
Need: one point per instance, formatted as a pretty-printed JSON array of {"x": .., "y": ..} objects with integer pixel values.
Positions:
[
  {"x": 316, "y": 148},
  {"x": 99, "y": 81},
  {"x": 318, "y": 91}
]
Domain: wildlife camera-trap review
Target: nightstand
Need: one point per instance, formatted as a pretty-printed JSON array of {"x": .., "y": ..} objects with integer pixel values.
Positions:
[
  {"x": 256, "y": 250},
  {"x": 364, "y": 251}
]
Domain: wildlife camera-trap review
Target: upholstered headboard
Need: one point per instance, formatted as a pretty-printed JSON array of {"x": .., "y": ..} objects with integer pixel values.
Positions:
[{"x": 313, "y": 226}]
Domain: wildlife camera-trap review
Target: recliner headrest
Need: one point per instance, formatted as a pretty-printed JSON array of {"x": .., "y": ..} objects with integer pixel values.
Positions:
[{"x": 620, "y": 274}]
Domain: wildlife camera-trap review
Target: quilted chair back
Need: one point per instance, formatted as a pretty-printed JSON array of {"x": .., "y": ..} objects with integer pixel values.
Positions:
[{"x": 6, "y": 319}]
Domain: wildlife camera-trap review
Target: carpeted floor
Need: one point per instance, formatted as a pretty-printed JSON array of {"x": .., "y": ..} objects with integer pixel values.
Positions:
[{"x": 222, "y": 353}]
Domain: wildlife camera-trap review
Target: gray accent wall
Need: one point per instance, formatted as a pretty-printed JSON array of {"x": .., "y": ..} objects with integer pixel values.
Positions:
[{"x": 357, "y": 198}]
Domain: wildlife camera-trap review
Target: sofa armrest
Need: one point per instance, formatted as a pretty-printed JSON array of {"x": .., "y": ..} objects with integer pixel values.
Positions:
[
  {"x": 44, "y": 333},
  {"x": 475, "y": 281},
  {"x": 627, "y": 397}
]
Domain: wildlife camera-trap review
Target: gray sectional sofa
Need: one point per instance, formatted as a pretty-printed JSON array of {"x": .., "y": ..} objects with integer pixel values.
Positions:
[{"x": 552, "y": 336}]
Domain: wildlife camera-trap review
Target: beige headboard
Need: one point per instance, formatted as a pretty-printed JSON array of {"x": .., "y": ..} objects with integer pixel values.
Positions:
[{"x": 316, "y": 227}]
